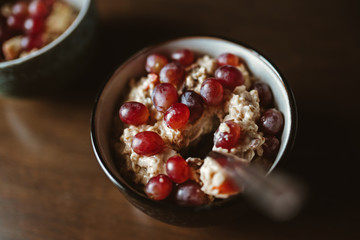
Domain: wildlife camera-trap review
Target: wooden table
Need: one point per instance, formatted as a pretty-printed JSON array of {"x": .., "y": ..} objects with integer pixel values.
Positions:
[{"x": 51, "y": 186}]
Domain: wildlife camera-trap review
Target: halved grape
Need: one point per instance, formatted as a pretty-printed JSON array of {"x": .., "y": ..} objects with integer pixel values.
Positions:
[{"x": 228, "y": 140}]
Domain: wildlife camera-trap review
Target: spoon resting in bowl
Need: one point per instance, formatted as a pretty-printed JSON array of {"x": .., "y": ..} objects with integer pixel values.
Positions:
[{"x": 278, "y": 195}]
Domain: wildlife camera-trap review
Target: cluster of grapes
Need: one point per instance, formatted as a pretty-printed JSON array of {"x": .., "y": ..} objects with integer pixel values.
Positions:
[
  {"x": 176, "y": 116},
  {"x": 271, "y": 121},
  {"x": 178, "y": 111},
  {"x": 27, "y": 18},
  {"x": 190, "y": 108},
  {"x": 187, "y": 192}
]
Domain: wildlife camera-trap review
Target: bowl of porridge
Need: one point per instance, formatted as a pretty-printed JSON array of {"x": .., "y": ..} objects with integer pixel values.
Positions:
[
  {"x": 168, "y": 105},
  {"x": 44, "y": 44}
]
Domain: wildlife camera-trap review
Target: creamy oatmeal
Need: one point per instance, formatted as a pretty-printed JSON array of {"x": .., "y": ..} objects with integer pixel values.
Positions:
[{"x": 210, "y": 101}]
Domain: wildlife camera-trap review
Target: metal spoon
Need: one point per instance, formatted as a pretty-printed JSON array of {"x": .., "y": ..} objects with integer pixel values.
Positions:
[{"x": 278, "y": 195}]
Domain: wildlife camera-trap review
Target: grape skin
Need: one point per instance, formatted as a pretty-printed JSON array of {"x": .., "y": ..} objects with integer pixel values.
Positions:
[
  {"x": 271, "y": 122},
  {"x": 212, "y": 91},
  {"x": 189, "y": 194},
  {"x": 147, "y": 143},
  {"x": 195, "y": 104},
  {"x": 177, "y": 116},
  {"x": 159, "y": 187},
  {"x": 177, "y": 169},
  {"x": 163, "y": 96},
  {"x": 229, "y": 76},
  {"x": 134, "y": 113}
]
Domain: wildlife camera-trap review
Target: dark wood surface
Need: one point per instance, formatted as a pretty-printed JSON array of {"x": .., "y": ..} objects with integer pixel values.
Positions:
[{"x": 51, "y": 186}]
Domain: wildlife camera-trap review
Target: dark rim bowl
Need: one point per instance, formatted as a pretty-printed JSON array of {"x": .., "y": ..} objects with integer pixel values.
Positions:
[
  {"x": 57, "y": 63},
  {"x": 105, "y": 110}
]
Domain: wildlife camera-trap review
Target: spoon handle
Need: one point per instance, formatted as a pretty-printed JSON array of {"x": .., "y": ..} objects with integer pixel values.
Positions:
[{"x": 277, "y": 195}]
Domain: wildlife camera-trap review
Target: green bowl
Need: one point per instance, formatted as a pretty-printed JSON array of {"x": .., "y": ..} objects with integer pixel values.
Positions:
[{"x": 56, "y": 65}]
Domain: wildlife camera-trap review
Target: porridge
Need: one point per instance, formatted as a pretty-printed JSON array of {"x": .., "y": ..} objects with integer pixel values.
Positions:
[{"x": 176, "y": 104}]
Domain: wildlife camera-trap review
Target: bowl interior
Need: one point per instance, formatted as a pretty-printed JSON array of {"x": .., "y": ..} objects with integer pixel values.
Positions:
[{"x": 108, "y": 101}]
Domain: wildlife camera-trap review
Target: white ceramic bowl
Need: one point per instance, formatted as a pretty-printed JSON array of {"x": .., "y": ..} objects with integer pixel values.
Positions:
[{"x": 107, "y": 104}]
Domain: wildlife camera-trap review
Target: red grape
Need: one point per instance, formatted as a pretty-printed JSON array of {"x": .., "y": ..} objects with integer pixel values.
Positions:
[
  {"x": 49, "y": 3},
  {"x": 271, "y": 122},
  {"x": 158, "y": 187},
  {"x": 229, "y": 76},
  {"x": 227, "y": 59},
  {"x": 147, "y": 143},
  {"x": 155, "y": 62},
  {"x": 4, "y": 31},
  {"x": 177, "y": 169},
  {"x": 228, "y": 140},
  {"x": 134, "y": 113},
  {"x": 32, "y": 41},
  {"x": 163, "y": 96},
  {"x": 15, "y": 22},
  {"x": 212, "y": 91},
  {"x": 189, "y": 194},
  {"x": 183, "y": 56},
  {"x": 20, "y": 9},
  {"x": 271, "y": 146},
  {"x": 264, "y": 92},
  {"x": 177, "y": 116},
  {"x": 38, "y": 9},
  {"x": 172, "y": 73},
  {"x": 195, "y": 104},
  {"x": 34, "y": 25}
]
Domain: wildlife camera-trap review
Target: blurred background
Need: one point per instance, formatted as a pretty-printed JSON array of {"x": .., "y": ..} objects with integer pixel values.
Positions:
[{"x": 51, "y": 186}]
